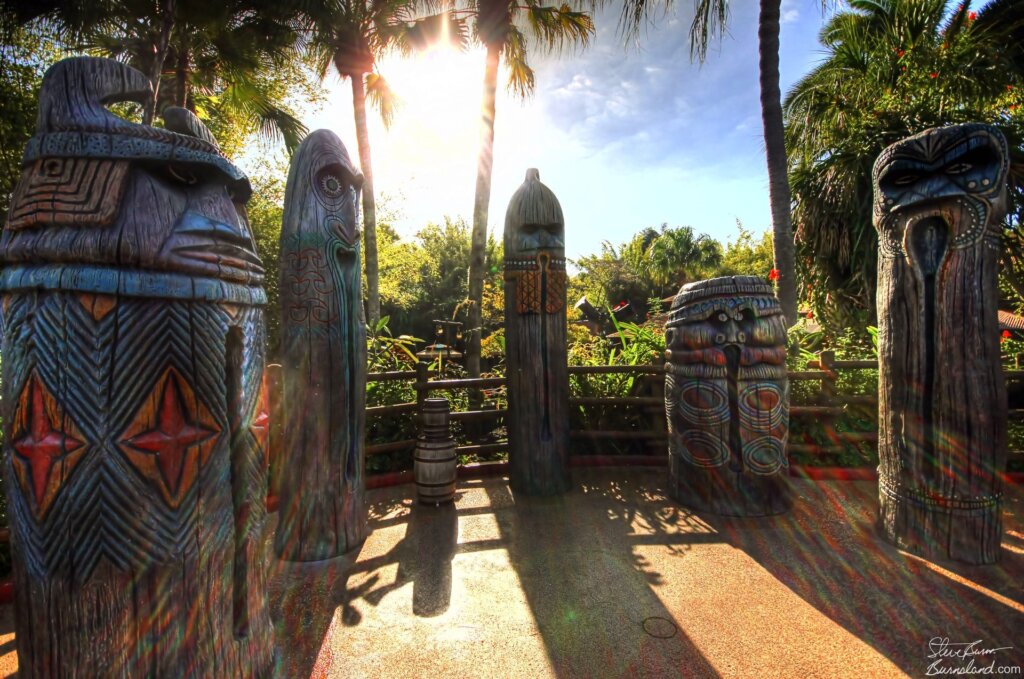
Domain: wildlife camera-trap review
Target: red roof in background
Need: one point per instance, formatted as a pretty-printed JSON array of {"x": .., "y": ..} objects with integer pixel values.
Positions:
[{"x": 1008, "y": 321}]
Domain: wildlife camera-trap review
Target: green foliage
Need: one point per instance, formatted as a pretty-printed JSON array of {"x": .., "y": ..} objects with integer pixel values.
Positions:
[
  {"x": 426, "y": 278},
  {"x": 25, "y": 53},
  {"x": 653, "y": 264},
  {"x": 892, "y": 69},
  {"x": 748, "y": 256},
  {"x": 820, "y": 430},
  {"x": 265, "y": 211}
]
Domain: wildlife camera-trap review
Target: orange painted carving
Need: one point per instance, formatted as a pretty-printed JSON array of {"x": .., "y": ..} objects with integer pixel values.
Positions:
[
  {"x": 47, "y": 445},
  {"x": 171, "y": 437}
]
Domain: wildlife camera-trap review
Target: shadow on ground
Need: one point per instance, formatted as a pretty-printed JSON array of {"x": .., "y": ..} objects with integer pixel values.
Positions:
[{"x": 613, "y": 579}]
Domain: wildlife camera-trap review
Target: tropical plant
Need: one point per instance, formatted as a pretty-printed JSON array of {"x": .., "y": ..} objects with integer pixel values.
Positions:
[
  {"x": 351, "y": 35},
  {"x": 710, "y": 19},
  {"x": 893, "y": 69},
  {"x": 497, "y": 25},
  {"x": 234, "y": 59}
]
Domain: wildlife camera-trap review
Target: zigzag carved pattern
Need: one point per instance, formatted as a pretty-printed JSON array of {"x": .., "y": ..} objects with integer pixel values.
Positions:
[{"x": 74, "y": 349}]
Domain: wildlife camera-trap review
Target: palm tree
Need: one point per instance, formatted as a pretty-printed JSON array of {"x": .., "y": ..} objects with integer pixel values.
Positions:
[
  {"x": 226, "y": 51},
  {"x": 710, "y": 19},
  {"x": 497, "y": 27},
  {"x": 893, "y": 69},
  {"x": 351, "y": 35}
]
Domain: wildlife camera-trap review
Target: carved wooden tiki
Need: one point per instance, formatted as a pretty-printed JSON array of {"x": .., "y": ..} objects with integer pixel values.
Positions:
[
  {"x": 727, "y": 397},
  {"x": 134, "y": 414},
  {"x": 323, "y": 510},
  {"x": 940, "y": 197},
  {"x": 535, "y": 340}
]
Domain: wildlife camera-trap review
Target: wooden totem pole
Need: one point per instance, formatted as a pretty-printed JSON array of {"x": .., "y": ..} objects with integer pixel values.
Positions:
[
  {"x": 535, "y": 340},
  {"x": 727, "y": 397},
  {"x": 134, "y": 412},
  {"x": 323, "y": 363},
  {"x": 940, "y": 197}
]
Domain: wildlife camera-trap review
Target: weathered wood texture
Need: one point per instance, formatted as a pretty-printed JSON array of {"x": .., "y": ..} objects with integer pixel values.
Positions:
[
  {"x": 435, "y": 460},
  {"x": 133, "y": 401},
  {"x": 727, "y": 398},
  {"x": 535, "y": 340},
  {"x": 322, "y": 507},
  {"x": 940, "y": 197}
]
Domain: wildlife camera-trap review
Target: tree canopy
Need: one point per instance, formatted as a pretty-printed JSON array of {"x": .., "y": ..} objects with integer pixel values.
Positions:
[{"x": 892, "y": 69}]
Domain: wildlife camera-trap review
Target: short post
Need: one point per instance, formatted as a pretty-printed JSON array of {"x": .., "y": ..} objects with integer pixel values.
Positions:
[
  {"x": 435, "y": 459},
  {"x": 727, "y": 398}
]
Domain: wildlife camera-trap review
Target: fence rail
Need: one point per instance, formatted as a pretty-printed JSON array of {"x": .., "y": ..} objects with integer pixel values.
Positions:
[{"x": 824, "y": 410}]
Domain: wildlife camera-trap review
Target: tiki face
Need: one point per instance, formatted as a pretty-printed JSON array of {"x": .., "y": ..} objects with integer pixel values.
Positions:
[
  {"x": 726, "y": 392},
  {"x": 534, "y": 222},
  {"x": 535, "y": 248},
  {"x": 156, "y": 199},
  {"x": 943, "y": 189},
  {"x": 323, "y": 190}
]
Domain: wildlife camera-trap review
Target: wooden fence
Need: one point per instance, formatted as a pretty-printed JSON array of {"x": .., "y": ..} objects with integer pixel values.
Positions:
[{"x": 823, "y": 410}]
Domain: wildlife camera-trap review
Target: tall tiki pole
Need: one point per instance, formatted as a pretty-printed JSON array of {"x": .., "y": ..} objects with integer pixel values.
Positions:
[
  {"x": 323, "y": 356},
  {"x": 940, "y": 197},
  {"x": 727, "y": 397},
  {"x": 535, "y": 340},
  {"x": 135, "y": 420}
]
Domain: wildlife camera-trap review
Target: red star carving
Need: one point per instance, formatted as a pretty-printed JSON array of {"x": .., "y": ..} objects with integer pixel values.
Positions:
[
  {"x": 173, "y": 435},
  {"x": 41, "y": 443}
]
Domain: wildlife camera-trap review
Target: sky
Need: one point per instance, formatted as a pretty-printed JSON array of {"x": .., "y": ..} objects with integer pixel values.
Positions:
[{"x": 625, "y": 137}]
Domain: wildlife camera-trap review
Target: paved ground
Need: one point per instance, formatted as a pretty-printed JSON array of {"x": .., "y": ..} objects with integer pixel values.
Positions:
[{"x": 615, "y": 580}]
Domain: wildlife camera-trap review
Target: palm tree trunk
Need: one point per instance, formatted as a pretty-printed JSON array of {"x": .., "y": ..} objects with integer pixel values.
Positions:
[
  {"x": 775, "y": 150},
  {"x": 181, "y": 79},
  {"x": 369, "y": 206},
  {"x": 163, "y": 41},
  {"x": 478, "y": 245}
]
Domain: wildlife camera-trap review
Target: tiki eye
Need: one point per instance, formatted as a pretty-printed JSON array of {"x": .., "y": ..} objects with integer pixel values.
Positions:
[
  {"x": 959, "y": 168},
  {"x": 331, "y": 185},
  {"x": 723, "y": 317},
  {"x": 905, "y": 179}
]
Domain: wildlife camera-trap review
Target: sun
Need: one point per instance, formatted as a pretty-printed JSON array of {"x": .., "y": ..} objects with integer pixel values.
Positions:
[{"x": 439, "y": 93}]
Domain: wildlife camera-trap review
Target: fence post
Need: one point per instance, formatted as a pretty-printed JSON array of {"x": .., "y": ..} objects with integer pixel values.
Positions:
[
  {"x": 422, "y": 375},
  {"x": 826, "y": 359}
]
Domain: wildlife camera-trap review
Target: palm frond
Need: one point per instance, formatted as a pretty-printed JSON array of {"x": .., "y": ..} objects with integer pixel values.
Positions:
[
  {"x": 520, "y": 75},
  {"x": 380, "y": 95}
]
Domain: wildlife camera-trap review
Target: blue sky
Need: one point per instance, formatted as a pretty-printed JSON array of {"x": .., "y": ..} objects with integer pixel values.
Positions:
[{"x": 626, "y": 138}]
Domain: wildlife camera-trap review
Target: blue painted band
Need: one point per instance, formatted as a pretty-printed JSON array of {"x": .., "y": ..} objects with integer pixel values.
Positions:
[{"x": 110, "y": 281}]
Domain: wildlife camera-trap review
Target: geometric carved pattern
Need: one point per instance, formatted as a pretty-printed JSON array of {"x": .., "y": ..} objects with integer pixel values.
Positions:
[
  {"x": 68, "y": 191},
  {"x": 171, "y": 437},
  {"x": 47, "y": 443},
  {"x": 531, "y": 277},
  {"x": 98, "y": 306}
]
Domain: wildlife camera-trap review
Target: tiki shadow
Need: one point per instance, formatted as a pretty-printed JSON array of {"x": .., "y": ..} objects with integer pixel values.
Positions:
[
  {"x": 307, "y": 600},
  {"x": 829, "y": 553},
  {"x": 424, "y": 556},
  {"x": 588, "y": 588}
]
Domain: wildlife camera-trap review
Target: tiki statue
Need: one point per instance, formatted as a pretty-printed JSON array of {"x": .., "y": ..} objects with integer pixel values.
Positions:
[
  {"x": 323, "y": 360},
  {"x": 133, "y": 403},
  {"x": 727, "y": 397},
  {"x": 940, "y": 197},
  {"x": 535, "y": 340}
]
